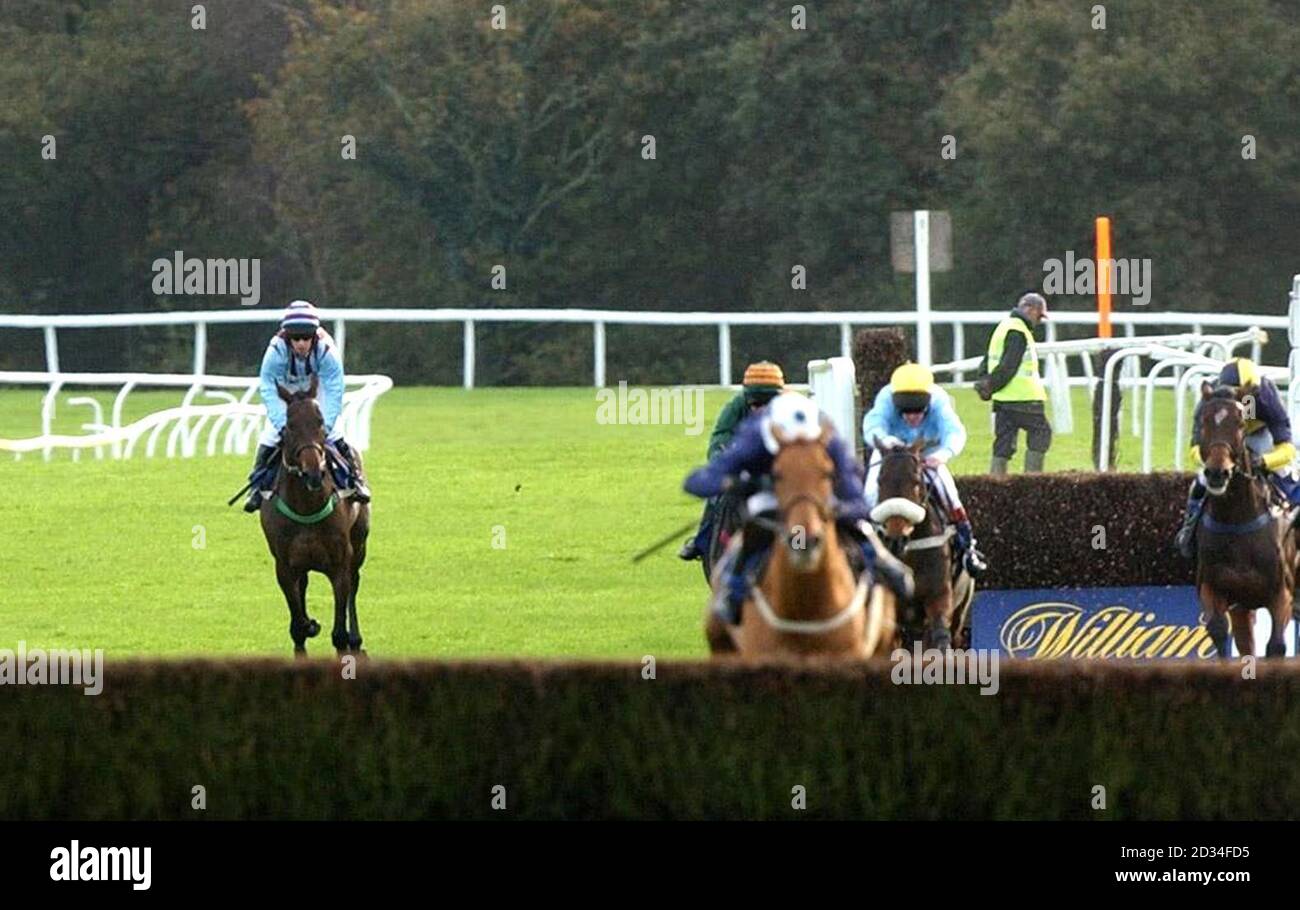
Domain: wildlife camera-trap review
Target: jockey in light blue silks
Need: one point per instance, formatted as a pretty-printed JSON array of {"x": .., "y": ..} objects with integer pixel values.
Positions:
[
  {"x": 913, "y": 407},
  {"x": 752, "y": 452},
  {"x": 301, "y": 350}
]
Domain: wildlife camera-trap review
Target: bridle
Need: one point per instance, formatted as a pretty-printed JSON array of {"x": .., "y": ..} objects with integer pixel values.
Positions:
[
  {"x": 918, "y": 474},
  {"x": 1241, "y": 461},
  {"x": 934, "y": 541},
  {"x": 294, "y": 467}
]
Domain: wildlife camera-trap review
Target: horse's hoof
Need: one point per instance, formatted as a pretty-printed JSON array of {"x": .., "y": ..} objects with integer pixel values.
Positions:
[
  {"x": 300, "y": 653},
  {"x": 313, "y": 628}
]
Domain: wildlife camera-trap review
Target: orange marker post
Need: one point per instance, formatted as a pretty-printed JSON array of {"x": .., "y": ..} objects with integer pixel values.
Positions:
[{"x": 1103, "y": 277}]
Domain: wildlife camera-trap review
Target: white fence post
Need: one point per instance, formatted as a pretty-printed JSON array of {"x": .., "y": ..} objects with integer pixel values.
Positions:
[
  {"x": 468, "y": 379},
  {"x": 200, "y": 348},
  {"x": 724, "y": 354},
  {"x": 598, "y": 346},
  {"x": 921, "y": 244}
]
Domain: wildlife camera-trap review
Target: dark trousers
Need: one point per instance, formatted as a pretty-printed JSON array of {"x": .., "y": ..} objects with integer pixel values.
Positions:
[{"x": 1007, "y": 424}]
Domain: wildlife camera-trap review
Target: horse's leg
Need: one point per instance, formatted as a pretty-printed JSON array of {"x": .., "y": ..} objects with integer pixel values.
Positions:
[
  {"x": 938, "y": 619},
  {"x": 1280, "y": 610},
  {"x": 354, "y": 627},
  {"x": 313, "y": 627},
  {"x": 341, "y": 580},
  {"x": 1214, "y": 609},
  {"x": 719, "y": 639},
  {"x": 292, "y": 586},
  {"x": 1243, "y": 631}
]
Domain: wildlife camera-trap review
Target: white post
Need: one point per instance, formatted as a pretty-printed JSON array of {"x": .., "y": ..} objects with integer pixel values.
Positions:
[
  {"x": 51, "y": 366},
  {"x": 958, "y": 347},
  {"x": 340, "y": 335},
  {"x": 724, "y": 354},
  {"x": 51, "y": 350},
  {"x": 598, "y": 344},
  {"x": 469, "y": 354},
  {"x": 921, "y": 230},
  {"x": 1132, "y": 372},
  {"x": 846, "y": 340},
  {"x": 200, "y": 348}
]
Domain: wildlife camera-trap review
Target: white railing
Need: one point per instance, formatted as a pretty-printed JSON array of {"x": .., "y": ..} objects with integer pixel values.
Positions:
[
  {"x": 230, "y": 425},
  {"x": 1193, "y": 349},
  {"x": 957, "y": 321}
]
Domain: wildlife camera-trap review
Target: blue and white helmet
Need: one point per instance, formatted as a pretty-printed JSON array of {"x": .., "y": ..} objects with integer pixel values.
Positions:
[
  {"x": 300, "y": 317},
  {"x": 792, "y": 417}
]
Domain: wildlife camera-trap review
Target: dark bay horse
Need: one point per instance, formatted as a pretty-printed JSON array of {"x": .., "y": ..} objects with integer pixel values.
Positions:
[
  {"x": 309, "y": 528},
  {"x": 810, "y": 600},
  {"x": 1246, "y": 554},
  {"x": 916, "y": 531}
]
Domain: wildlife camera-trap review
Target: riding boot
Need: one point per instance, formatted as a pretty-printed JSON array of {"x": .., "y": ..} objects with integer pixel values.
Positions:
[
  {"x": 999, "y": 465},
  {"x": 753, "y": 544},
  {"x": 1186, "y": 537},
  {"x": 349, "y": 480},
  {"x": 262, "y": 477},
  {"x": 694, "y": 546},
  {"x": 1034, "y": 461},
  {"x": 360, "y": 492},
  {"x": 972, "y": 558}
]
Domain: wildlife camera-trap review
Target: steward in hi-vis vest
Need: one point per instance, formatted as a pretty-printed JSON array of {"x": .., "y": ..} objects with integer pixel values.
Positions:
[{"x": 1016, "y": 388}]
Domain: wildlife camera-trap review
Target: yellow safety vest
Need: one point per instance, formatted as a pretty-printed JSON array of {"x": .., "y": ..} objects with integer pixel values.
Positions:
[{"x": 1026, "y": 385}]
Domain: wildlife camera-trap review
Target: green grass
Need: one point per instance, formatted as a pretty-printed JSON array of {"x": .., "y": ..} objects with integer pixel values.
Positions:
[{"x": 102, "y": 554}]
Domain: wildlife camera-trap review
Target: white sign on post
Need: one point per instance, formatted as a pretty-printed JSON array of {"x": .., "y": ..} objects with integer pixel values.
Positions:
[{"x": 921, "y": 242}]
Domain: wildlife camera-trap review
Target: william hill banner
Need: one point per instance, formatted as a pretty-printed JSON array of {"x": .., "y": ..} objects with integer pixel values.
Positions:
[{"x": 1108, "y": 623}]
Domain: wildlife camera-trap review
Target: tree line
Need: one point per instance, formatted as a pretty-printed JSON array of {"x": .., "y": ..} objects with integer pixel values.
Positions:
[{"x": 629, "y": 154}]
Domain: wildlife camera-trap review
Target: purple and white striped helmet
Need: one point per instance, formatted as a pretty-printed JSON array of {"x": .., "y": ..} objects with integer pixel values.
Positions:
[{"x": 300, "y": 318}]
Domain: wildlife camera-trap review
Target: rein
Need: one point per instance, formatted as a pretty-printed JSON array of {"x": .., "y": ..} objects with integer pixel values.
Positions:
[{"x": 935, "y": 540}]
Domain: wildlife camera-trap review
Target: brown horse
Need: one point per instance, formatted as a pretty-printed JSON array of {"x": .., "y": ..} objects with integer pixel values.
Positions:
[
  {"x": 916, "y": 531},
  {"x": 1246, "y": 555},
  {"x": 810, "y": 600},
  {"x": 309, "y": 528}
]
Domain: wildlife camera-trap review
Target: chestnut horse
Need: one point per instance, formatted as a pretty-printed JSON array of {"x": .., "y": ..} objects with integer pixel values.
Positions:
[
  {"x": 915, "y": 530},
  {"x": 809, "y": 601},
  {"x": 309, "y": 528},
  {"x": 1246, "y": 554}
]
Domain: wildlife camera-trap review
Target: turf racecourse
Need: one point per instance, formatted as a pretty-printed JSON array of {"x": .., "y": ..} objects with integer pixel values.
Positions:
[{"x": 504, "y": 525}]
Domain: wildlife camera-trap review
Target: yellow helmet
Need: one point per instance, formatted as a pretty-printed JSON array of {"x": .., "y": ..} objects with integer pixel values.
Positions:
[
  {"x": 911, "y": 384},
  {"x": 1240, "y": 371}
]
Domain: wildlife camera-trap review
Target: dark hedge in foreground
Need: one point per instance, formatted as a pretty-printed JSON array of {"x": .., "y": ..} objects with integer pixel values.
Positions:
[
  {"x": 1047, "y": 530},
  {"x": 273, "y": 740}
]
